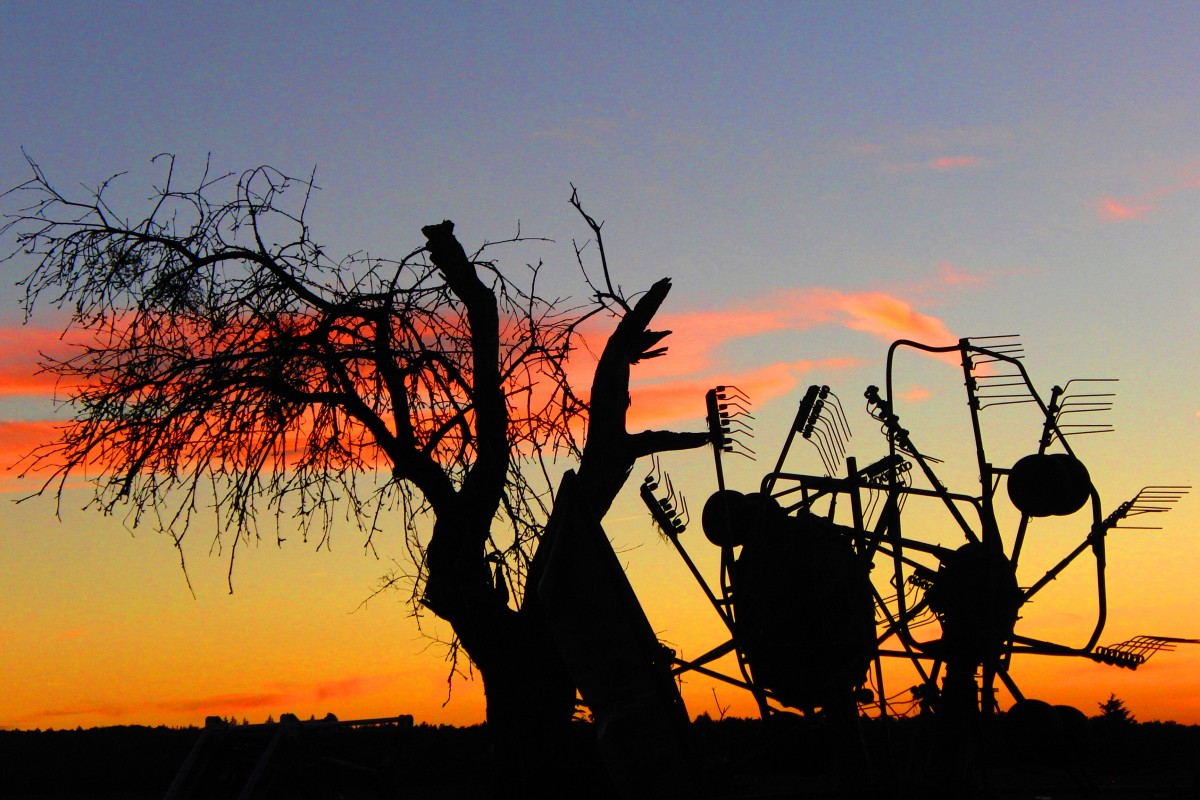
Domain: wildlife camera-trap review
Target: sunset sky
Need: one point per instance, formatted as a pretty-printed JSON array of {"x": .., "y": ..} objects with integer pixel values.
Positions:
[{"x": 819, "y": 179}]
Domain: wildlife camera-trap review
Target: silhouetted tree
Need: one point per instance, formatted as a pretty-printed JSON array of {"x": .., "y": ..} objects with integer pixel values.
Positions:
[
  {"x": 1114, "y": 712},
  {"x": 224, "y": 360}
]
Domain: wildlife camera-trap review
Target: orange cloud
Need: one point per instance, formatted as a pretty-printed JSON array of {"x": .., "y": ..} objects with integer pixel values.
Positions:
[
  {"x": 955, "y": 162},
  {"x": 700, "y": 336},
  {"x": 890, "y": 318},
  {"x": 950, "y": 275},
  {"x": 666, "y": 390},
  {"x": 1110, "y": 209},
  {"x": 680, "y": 400},
  {"x": 20, "y": 346},
  {"x": 915, "y": 395},
  {"x": 18, "y": 439}
]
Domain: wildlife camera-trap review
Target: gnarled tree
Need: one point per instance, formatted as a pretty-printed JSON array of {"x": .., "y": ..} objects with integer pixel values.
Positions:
[{"x": 224, "y": 360}]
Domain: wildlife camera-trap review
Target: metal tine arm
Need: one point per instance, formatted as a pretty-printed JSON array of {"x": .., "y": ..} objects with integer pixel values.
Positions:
[
  {"x": 840, "y": 419},
  {"x": 734, "y": 408},
  {"x": 1136, "y": 651},
  {"x": 731, "y": 392},
  {"x": 1006, "y": 348},
  {"x": 826, "y": 447},
  {"x": 727, "y": 421},
  {"x": 802, "y": 413},
  {"x": 831, "y": 429},
  {"x": 1150, "y": 500},
  {"x": 670, "y": 514},
  {"x": 1064, "y": 403},
  {"x": 670, "y": 511}
]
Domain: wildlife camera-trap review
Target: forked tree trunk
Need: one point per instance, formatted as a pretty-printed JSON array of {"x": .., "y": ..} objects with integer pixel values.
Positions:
[{"x": 529, "y": 693}]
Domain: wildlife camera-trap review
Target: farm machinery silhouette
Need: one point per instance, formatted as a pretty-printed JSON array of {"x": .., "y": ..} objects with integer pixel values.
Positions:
[{"x": 802, "y": 557}]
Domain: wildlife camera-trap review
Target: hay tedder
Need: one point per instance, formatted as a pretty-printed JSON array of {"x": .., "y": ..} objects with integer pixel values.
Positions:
[
  {"x": 822, "y": 583},
  {"x": 838, "y": 586}
]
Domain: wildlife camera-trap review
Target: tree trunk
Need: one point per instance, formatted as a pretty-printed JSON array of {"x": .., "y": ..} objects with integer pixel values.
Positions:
[{"x": 530, "y": 695}]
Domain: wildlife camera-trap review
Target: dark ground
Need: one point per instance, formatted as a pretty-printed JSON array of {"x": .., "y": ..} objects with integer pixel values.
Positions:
[{"x": 738, "y": 758}]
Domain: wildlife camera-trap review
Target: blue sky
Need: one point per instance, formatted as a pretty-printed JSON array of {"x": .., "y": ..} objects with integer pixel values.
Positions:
[{"x": 996, "y": 167}]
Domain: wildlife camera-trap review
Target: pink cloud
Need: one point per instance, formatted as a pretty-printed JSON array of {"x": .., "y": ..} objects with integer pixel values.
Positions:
[
  {"x": 700, "y": 336},
  {"x": 674, "y": 401},
  {"x": 1112, "y": 209},
  {"x": 950, "y": 275},
  {"x": 671, "y": 389},
  {"x": 20, "y": 346},
  {"x": 890, "y": 318},
  {"x": 18, "y": 439},
  {"x": 916, "y": 394},
  {"x": 1109, "y": 209},
  {"x": 955, "y": 162}
]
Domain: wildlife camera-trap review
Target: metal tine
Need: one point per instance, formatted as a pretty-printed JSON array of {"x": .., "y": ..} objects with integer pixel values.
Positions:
[
  {"x": 1086, "y": 429},
  {"x": 1087, "y": 403},
  {"x": 835, "y": 435},
  {"x": 1157, "y": 498},
  {"x": 1148, "y": 500},
  {"x": 723, "y": 409},
  {"x": 1136, "y": 651},
  {"x": 682, "y": 517},
  {"x": 826, "y": 446},
  {"x": 841, "y": 414},
  {"x": 828, "y": 427},
  {"x": 731, "y": 392},
  {"x": 1015, "y": 353},
  {"x": 654, "y": 480},
  {"x": 670, "y": 511},
  {"x": 739, "y": 449},
  {"x": 650, "y": 481},
  {"x": 738, "y": 409},
  {"x": 1007, "y": 344},
  {"x": 727, "y": 424},
  {"x": 1005, "y": 348},
  {"x": 675, "y": 506},
  {"x": 668, "y": 502},
  {"x": 1002, "y": 400},
  {"x": 988, "y": 388},
  {"x": 1012, "y": 336},
  {"x": 727, "y": 421},
  {"x": 873, "y": 496}
]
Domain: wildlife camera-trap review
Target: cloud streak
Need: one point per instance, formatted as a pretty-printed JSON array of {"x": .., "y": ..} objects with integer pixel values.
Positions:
[
  {"x": 955, "y": 162},
  {"x": 701, "y": 338},
  {"x": 20, "y": 349},
  {"x": 683, "y": 399},
  {"x": 19, "y": 438},
  {"x": 1138, "y": 207},
  {"x": 1110, "y": 209},
  {"x": 709, "y": 346},
  {"x": 718, "y": 345}
]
